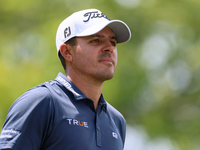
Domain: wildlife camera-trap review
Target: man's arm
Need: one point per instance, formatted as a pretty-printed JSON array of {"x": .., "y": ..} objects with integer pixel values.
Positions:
[{"x": 29, "y": 115}]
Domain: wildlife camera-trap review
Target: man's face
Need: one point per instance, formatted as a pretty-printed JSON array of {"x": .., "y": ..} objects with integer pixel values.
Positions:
[{"x": 95, "y": 57}]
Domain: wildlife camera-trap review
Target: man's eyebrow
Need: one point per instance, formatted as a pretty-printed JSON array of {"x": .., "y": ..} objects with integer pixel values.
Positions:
[
  {"x": 113, "y": 37},
  {"x": 97, "y": 35},
  {"x": 102, "y": 36}
]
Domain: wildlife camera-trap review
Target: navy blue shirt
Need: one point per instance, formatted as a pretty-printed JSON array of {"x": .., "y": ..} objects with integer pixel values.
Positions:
[{"x": 56, "y": 115}]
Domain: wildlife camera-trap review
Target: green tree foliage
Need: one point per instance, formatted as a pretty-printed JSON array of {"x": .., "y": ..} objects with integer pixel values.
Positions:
[{"x": 157, "y": 81}]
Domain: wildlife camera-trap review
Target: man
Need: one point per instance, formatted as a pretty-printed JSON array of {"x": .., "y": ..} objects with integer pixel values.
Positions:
[{"x": 70, "y": 112}]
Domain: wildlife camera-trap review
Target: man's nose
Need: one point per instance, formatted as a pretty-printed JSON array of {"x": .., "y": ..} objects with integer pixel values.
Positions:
[{"x": 108, "y": 47}]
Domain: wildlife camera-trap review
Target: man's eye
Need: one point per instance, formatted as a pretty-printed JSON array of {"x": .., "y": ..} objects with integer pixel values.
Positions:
[
  {"x": 113, "y": 43},
  {"x": 95, "y": 41}
]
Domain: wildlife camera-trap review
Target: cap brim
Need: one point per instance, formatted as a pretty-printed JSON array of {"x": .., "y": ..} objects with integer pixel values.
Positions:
[{"x": 120, "y": 29}]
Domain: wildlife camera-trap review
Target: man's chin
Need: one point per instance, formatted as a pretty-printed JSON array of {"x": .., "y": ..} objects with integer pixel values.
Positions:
[{"x": 106, "y": 76}]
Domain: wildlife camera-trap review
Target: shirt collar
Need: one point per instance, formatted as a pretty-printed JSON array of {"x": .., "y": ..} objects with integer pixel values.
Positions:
[
  {"x": 61, "y": 78},
  {"x": 102, "y": 103},
  {"x": 78, "y": 95}
]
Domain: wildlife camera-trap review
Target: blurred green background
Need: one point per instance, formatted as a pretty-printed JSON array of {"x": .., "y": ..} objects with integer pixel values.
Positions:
[{"x": 157, "y": 82}]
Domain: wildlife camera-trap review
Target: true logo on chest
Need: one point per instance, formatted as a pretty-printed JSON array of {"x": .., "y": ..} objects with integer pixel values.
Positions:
[{"x": 78, "y": 123}]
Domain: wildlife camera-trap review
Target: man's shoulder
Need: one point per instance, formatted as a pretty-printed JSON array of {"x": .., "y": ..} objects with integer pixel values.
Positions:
[
  {"x": 37, "y": 92},
  {"x": 34, "y": 96},
  {"x": 41, "y": 91}
]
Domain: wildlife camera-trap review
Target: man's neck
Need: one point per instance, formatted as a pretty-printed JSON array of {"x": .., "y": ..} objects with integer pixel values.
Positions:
[{"x": 90, "y": 88}]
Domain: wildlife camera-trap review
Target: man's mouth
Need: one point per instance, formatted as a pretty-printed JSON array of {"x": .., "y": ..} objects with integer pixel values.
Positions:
[{"x": 107, "y": 60}]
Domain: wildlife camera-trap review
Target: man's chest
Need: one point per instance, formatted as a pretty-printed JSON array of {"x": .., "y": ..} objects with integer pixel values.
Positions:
[{"x": 80, "y": 128}]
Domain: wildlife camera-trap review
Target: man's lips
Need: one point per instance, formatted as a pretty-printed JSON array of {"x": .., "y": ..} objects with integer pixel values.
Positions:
[{"x": 107, "y": 60}]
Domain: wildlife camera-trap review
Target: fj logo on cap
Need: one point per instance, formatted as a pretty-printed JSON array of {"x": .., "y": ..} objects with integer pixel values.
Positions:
[
  {"x": 94, "y": 14},
  {"x": 67, "y": 32}
]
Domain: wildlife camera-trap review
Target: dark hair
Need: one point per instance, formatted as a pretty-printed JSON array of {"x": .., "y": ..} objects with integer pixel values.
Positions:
[{"x": 71, "y": 42}]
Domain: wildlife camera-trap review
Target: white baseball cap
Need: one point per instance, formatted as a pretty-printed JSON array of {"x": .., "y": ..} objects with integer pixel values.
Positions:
[{"x": 88, "y": 22}]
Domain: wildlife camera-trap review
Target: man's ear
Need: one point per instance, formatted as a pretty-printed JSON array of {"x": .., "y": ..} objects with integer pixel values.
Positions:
[{"x": 65, "y": 51}]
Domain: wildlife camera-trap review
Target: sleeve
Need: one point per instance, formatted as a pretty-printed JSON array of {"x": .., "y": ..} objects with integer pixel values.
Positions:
[
  {"x": 123, "y": 131},
  {"x": 121, "y": 123},
  {"x": 29, "y": 121}
]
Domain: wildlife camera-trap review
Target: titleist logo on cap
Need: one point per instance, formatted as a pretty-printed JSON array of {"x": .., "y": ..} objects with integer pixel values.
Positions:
[{"x": 94, "y": 14}]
